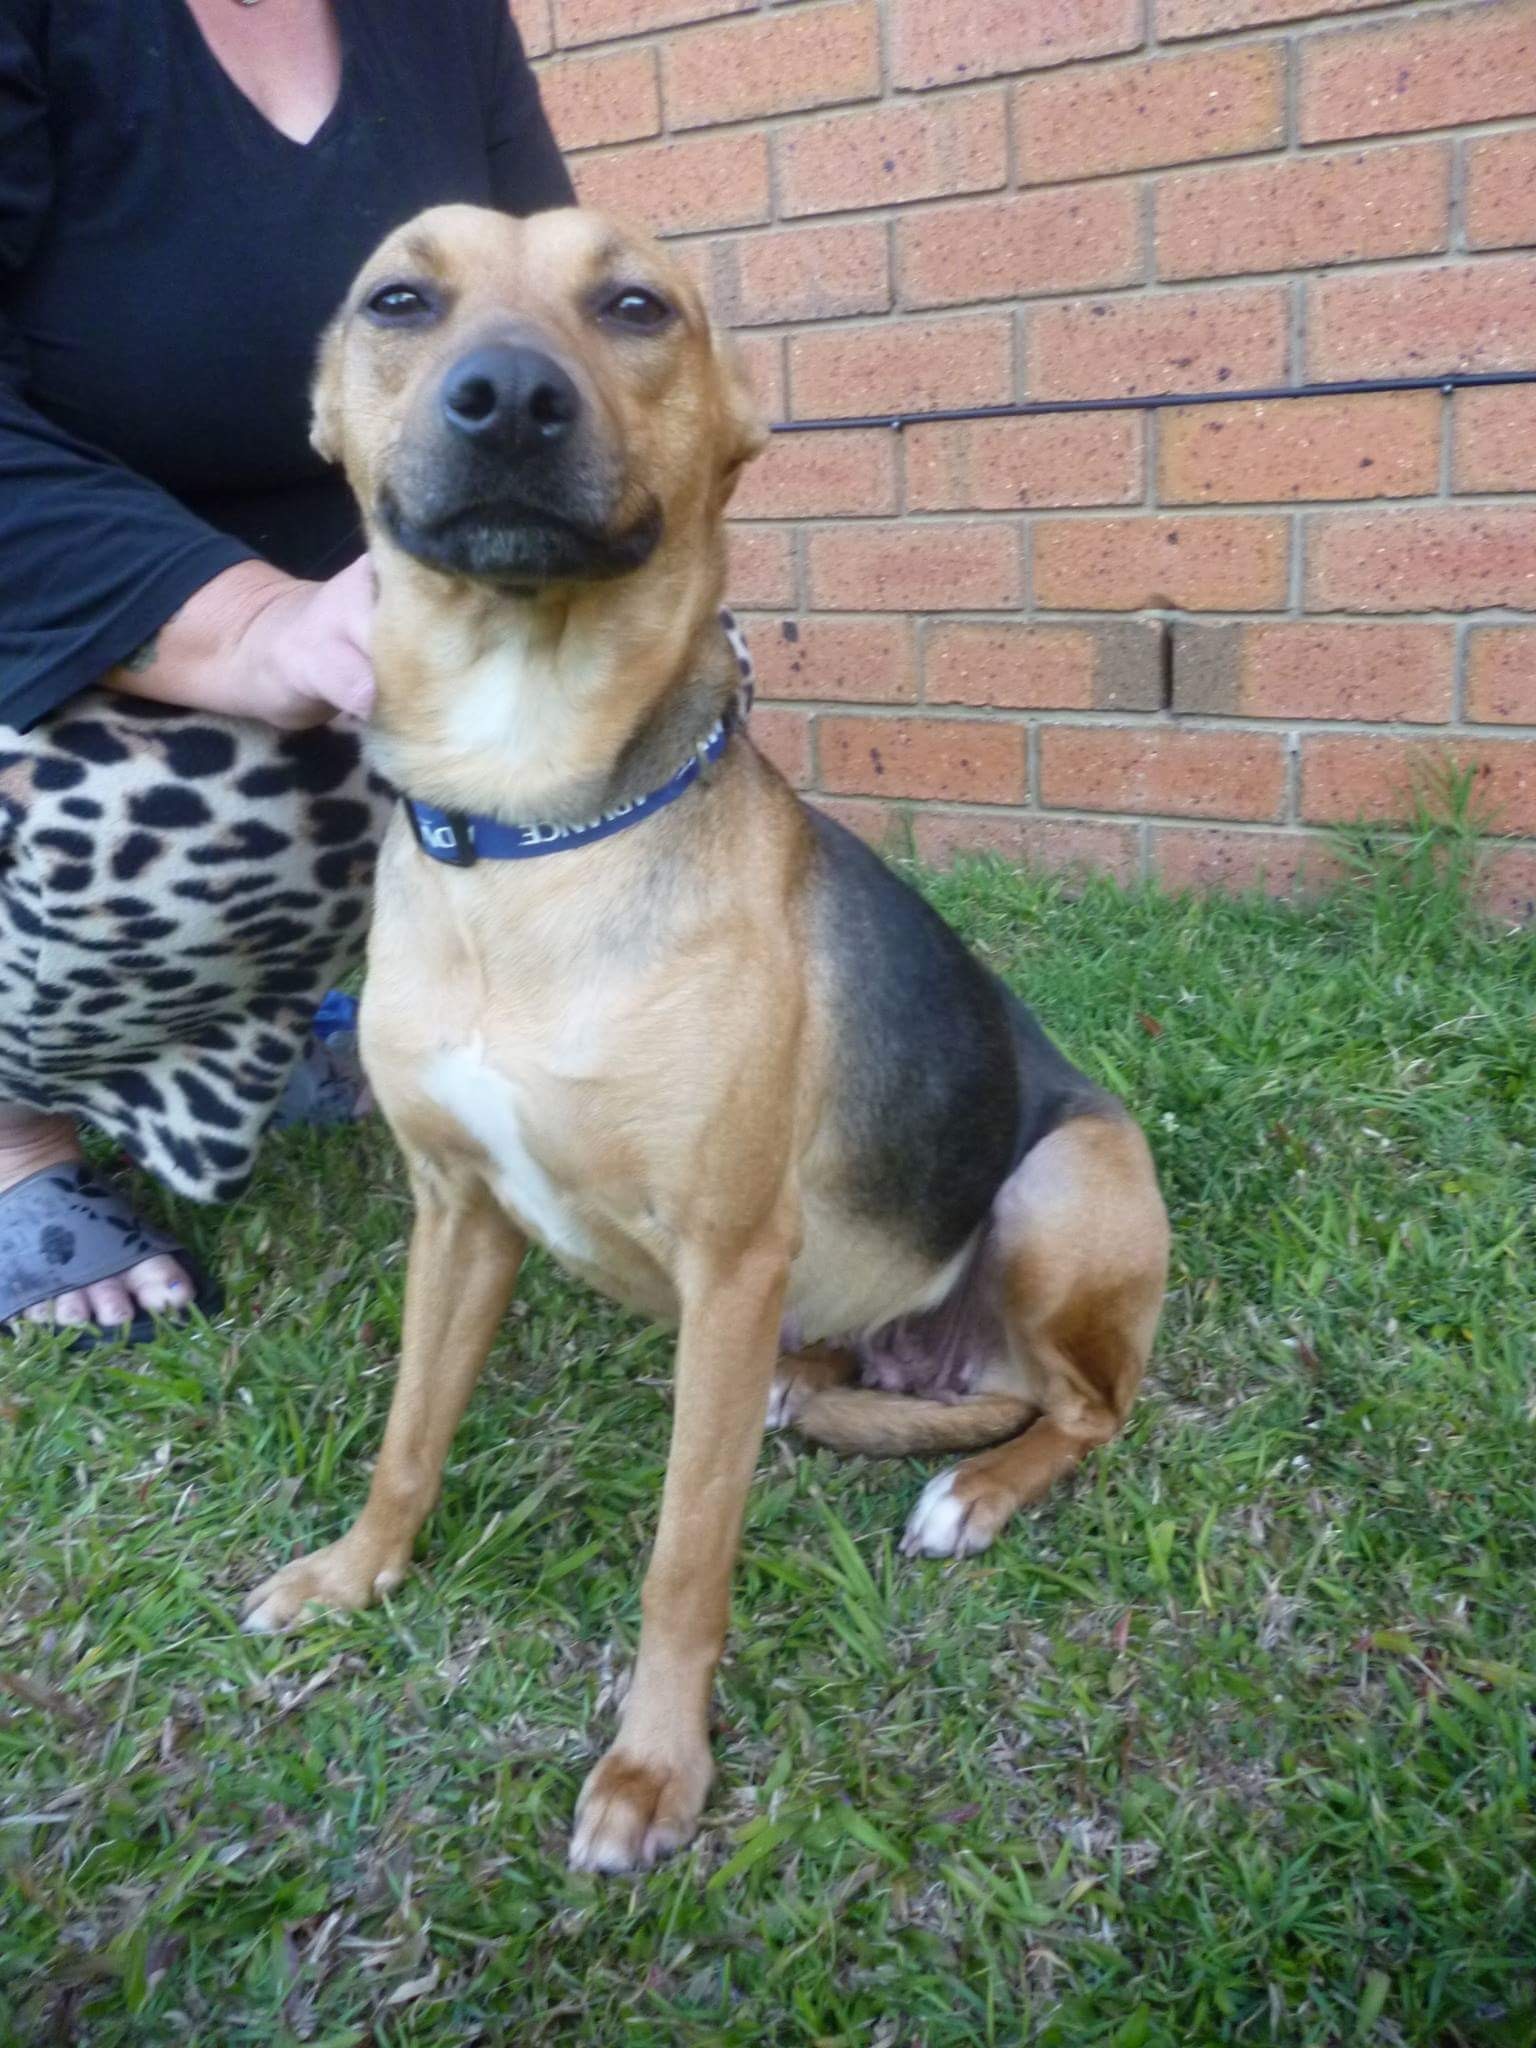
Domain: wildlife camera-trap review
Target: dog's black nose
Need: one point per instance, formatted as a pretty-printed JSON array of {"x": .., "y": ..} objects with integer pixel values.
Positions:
[{"x": 510, "y": 397}]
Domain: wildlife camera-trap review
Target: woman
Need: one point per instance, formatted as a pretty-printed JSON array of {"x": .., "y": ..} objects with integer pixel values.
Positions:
[{"x": 186, "y": 189}]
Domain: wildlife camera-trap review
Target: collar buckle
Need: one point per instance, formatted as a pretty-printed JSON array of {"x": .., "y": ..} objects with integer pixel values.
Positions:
[{"x": 445, "y": 836}]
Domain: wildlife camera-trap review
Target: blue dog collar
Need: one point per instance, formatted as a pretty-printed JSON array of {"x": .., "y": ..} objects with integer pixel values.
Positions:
[{"x": 460, "y": 838}]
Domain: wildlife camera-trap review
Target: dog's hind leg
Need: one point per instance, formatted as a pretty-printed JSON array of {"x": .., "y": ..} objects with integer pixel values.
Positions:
[
  {"x": 463, "y": 1265},
  {"x": 1082, "y": 1239}
]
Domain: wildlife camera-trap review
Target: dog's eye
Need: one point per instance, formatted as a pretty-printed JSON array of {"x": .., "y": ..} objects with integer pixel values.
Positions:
[
  {"x": 399, "y": 303},
  {"x": 636, "y": 307}
]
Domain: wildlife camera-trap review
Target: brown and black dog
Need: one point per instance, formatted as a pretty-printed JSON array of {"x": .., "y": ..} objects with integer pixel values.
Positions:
[{"x": 724, "y": 1065}]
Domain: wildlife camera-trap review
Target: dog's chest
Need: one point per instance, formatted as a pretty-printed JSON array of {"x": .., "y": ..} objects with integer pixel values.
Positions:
[{"x": 493, "y": 1109}]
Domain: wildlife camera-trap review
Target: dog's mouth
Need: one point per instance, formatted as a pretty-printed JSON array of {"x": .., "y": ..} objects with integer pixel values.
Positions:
[{"x": 509, "y": 541}]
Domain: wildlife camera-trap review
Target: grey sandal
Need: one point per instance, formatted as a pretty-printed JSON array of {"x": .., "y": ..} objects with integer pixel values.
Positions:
[{"x": 61, "y": 1229}]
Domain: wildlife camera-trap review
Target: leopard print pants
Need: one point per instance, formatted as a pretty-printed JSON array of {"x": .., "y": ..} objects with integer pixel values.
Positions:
[{"x": 177, "y": 892}]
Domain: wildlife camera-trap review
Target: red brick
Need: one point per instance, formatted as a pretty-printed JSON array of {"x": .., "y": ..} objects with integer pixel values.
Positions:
[
  {"x": 610, "y": 96},
  {"x": 807, "y": 273},
  {"x": 1150, "y": 769},
  {"x": 902, "y": 366},
  {"x": 1501, "y": 675},
  {"x": 1175, "y": 341},
  {"x": 942, "y": 565},
  {"x": 832, "y": 661},
  {"x": 1059, "y": 845},
  {"x": 1379, "y": 780},
  {"x": 1169, "y": 110},
  {"x": 1211, "y": 859},
  {"x": 1180, "y": 18},
  {"x": 704, "y": 181},
  {"x": 772, "y": 64},
  {"x": 1496, "y": 439},
  {"x": 894, "y": 154},
  {"x": 946, "y": 42},
  {"x": 882, "y": 826},
  {"x": 763, "y": 355},
  {"x": 535, "y": 26},
  {"x": 762, "y": 567},
  {"x": 1045, "y": 668},
  {"x": 1501, "y": 191},
  {"x": 1462, "y": 559},
  {"x": 597, "y": 21},
  {"x": 1507, "y": 885},
  {"x": 1386, "y": 445},
  {"x": 698, "y": 259},
  {"x": 1302, "y": 669},
  {"x": 956, "y": 760},
  {"x": 1472, "y": 316},
  {"x": 820, "y": 476},
  {"x": 1235, "y": 563},
  {"x": 1305, "y": 211},
  {"x": 1470, "y": 63},
  {"x": 1001, "y": 465},
  {"x": 1077, "y": 238},
  {"x": 785, "y": 737}
]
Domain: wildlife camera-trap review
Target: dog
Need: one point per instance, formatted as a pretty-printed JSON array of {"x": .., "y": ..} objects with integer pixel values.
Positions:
[{"x": 628, "y": 997}]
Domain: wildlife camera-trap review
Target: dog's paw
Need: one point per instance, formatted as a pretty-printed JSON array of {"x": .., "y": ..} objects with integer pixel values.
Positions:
[
  {"x": 343, "y": 1576},
  {"x": 953, "y": 1520},
  {"x": 786, "y": 1397},
  {"x": 631, "y": 1813},
  {"x": 800, "y": 1377}
]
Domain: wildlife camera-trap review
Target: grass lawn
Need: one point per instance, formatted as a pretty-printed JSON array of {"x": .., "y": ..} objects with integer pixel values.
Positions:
[{"x": 1232, "y": 1740}]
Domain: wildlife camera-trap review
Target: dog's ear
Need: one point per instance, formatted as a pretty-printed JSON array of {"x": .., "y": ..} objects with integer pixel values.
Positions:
[
  {"x": 746, "y": 431},
  {"x": 325, "y": 397}
]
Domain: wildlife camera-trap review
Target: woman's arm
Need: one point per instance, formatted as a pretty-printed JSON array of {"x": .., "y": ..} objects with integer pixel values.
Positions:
[
  {"x": 107, "y": 577},
  {"x": 258, "y": 644},
  {"x": 96, "y": 559}
]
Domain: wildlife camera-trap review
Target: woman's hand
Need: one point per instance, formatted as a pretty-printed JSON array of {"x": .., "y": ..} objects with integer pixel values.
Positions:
[
  {"x": 255, "y": 643},
  {"x": 303, "y": 655}
]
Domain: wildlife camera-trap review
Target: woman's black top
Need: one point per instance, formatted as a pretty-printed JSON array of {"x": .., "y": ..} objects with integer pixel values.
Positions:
[{"x": 168, "y": 260}]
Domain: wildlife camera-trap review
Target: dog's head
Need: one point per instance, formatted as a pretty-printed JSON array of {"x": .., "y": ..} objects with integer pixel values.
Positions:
[{"x": 530, "y": 403}]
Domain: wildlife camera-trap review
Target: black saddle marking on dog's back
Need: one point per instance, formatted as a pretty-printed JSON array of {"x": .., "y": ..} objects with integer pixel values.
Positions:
[{"x": 944, "y": 1079}]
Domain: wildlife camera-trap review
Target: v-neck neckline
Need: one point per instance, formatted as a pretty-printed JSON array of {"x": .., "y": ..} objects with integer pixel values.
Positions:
[{"x": 248, "y": 107}]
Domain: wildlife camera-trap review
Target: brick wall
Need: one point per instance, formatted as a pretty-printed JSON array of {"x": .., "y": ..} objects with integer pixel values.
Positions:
[{"x": 1175, "y": 643}]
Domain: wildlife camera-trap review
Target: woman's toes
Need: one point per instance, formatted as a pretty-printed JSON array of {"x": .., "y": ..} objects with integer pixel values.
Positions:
[
  {"x": 159, "y": 1284},
  {"x": 111, "y": 1303}
]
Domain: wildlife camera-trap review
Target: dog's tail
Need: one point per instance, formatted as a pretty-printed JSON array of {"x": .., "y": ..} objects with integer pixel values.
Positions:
[{"x": 900, "y": 1425}]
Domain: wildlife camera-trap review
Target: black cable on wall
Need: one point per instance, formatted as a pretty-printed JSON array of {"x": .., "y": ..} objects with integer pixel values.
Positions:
[{"x": 1037, "y": 408}]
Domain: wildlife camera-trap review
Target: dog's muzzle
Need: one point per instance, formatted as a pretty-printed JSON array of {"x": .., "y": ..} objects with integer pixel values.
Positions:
[{"x": 505, "y": 480}]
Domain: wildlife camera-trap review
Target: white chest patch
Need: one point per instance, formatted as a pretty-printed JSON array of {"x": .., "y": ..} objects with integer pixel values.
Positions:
[
  {"x": 514, "y": 706},
  {"x": 487, "y": 1106}
]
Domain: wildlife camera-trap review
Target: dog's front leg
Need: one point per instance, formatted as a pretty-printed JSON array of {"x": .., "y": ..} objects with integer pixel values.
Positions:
[
  {"x": 463, "y": 1265},
  {"x": 645, "y": 1796}
]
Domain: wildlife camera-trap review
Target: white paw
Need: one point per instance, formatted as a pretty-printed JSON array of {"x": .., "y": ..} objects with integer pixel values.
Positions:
[
  {"x": 944, "y": 1525},
  {"x": 781, "y": 1403}
]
